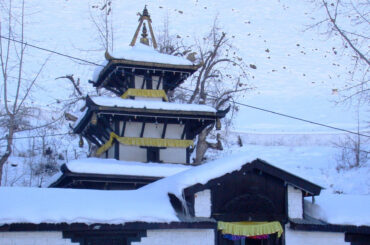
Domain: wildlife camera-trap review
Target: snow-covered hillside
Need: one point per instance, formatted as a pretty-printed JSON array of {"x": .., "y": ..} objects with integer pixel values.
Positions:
[
  {"x": 296, "y": 73},
  {"x": 296, "y": 70}
]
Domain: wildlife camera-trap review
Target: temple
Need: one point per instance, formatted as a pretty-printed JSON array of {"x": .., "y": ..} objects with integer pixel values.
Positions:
[{"x": 140, "y": 187}]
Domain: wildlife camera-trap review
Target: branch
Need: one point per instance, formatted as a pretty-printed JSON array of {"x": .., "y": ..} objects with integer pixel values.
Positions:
[
  {"x": 71, "y": 78},
  {"x": 4, "y": 64},
  {"x": 20, "y": 67},
  {"x": 333, "y": 21},
  {"x": 216, "y": 146},
  {"x": 31, "y": 85}
]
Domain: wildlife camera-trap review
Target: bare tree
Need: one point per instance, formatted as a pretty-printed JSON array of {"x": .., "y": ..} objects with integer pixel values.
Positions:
[
  {"x": 218, "y": 82},
  {"x": 16, "y": 89},
  {"x": 350, "y": 21},
  {"x": 102, "y": 19},
  {"x": 354, "y": 149}
]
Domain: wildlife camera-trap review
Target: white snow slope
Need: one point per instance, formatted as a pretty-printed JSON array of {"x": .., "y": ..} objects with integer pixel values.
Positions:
[{"x": 296, "y": 69}]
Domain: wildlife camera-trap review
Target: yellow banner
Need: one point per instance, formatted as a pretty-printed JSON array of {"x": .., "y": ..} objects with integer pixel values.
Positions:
[
  {"x": 152, "y": 93},
  {"x": 155, "y": 142},
  {"x": 251, "y": 228}
]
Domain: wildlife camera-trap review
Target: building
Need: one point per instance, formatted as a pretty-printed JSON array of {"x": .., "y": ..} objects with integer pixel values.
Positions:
[{"x": 140, "y": 188}]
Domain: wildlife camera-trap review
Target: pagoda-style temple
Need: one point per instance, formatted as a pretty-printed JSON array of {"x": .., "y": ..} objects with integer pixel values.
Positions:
[{"x": 139, "y": 123}]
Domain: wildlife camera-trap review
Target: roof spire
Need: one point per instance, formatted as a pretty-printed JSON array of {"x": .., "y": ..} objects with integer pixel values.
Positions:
[
  {"x": 144, "y": 16},
  {"x": 144, "y": 35}
]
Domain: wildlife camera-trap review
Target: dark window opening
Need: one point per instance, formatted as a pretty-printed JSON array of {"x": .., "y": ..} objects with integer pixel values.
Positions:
[{"x": 153, "y": 154}]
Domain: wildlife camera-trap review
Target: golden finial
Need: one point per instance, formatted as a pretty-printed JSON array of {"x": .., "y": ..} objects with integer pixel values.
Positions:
[
  {"x": 144, "y": 16},
  {"x": 144, "y": 35}
]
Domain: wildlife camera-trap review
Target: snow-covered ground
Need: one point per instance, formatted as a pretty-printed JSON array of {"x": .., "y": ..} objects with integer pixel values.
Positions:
[{"x": 296, "y": 73}]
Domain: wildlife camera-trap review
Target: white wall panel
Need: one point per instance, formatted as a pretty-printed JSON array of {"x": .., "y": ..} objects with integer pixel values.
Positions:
[
  {"x": 202, "y": 203},
  {"x": 178, "y": 236},
  {"x": 132, "y": 153},
  {"x": 139, "y": 82},
  {"x": 155, "y": 80},
  {"x": 33, "y": 238},
  {"x": 133, "y": 129},
  {"x": 295, "y": 203},
  {"x": 174, "y": 131},
  {"x": 293, "y": 237},
  {"x": 173, "y": 155},
  {"x": 153, "y": 130}
]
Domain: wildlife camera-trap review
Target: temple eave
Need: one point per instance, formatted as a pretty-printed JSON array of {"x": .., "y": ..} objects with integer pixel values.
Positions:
[{"x": 154, "y": 64}]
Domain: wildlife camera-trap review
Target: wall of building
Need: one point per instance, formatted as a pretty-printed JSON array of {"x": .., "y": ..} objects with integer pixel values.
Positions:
[
  {"x": 153, "y": 130},
  {"x": 155, "y": 80},
  {"x": 139, "y": 82},
  {"x": 33, "y": 238},
  {"x": 132, "y": 129},
  {"x": 140, "y": 79},
  {"x": 132, "y": 153},
  {"x": 295, "y": 203},
  {"x": 173, "y": 155},
  {"x": 178, "y": 236},
  {"x": 174, "y": 131},
  {"x": 148, "y": 98},
  {"x": 202, "y": 204},
  {"x": 293, "y": 237}
]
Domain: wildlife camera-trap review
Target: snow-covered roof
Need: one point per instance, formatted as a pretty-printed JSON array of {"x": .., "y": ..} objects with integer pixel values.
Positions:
[
  {"x": 55, "y": 205},
  {"x": 116, "y": 167},
  {"x": 149, "y": 104},
  {"x": 148, "y": 204},
  {"x": 175, "y": 184},
  {"x": 339, "y": 209},
  {"x": 98, "y": 69},
  {"x": 141, "y": 52},
  {"x": 80, "y": 117}
]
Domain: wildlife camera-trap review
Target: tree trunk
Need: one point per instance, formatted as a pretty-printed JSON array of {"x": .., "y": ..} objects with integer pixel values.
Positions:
[
  {"x": 5, "y": 156},
  {"x": 203, "y": 145},
  {"x": 201, "y": 148}
]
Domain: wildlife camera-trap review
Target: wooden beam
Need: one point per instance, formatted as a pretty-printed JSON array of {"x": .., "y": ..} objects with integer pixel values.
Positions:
[
  {"x": 142, "y": 130},
  {"x": 184, "y": 130},
  {"x": 164, "y": 130},
  {"x": 116, "y": 143},
  {"x": 123, "y": 129},
  {"x": 159, "y": 81}
]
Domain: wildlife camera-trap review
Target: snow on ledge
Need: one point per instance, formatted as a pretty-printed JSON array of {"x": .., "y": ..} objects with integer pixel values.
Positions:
[
  {"x": 339, "y": 209},
  {"x": 154, "y": 105},
  {"x": 57, "y": 205},
  {"x": 141, "y": 52},
  {"x": 147, "y": 204},
  {"x": 115, "y": 167}
]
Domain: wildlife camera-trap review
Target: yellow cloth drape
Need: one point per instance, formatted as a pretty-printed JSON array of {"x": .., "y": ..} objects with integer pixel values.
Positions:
[
  {"x": 153, "y": 93},
  {"x": 155, "y": 142},
  {"x": 251, "y": 228}
]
